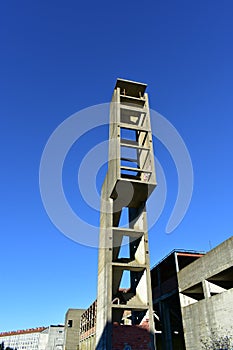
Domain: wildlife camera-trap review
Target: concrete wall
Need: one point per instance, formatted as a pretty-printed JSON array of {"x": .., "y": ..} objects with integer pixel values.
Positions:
[
  {"x": 215, "y": 313},
  {"x": 72, "y": 329},
  {"x": 55, "y": 338},
  {"x": 215, "y": 261},
  {"x": 206, "y": 296}
]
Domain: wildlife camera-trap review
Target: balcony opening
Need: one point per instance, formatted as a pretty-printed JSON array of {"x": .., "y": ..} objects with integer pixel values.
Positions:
[
  {"x": 193, "y": 294},
  {"x": 221, "y": 281}
]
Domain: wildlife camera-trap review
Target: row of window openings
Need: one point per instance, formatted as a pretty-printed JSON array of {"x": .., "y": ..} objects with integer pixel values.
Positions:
[{"x": 24, "y": 346}]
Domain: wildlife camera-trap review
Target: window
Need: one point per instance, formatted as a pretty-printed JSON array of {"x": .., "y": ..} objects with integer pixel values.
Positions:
[{"x": 70, "y": 323}]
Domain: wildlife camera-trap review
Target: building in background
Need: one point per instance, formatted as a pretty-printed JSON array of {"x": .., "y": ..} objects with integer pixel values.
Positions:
[
  {"x": 55, "y": 337},
  {"x": 72, "y": 329},
  {"x": 28, "y": 339},
  {"x": 88, "y": 328},
  {"x": 42, "y": 338}
]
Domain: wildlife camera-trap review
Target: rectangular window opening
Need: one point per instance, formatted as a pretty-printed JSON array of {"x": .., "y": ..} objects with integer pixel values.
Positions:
[
  {"x": 128, "y": 134},
  {"x": 132, "y": 117},
  {"x": 70, "y": 323}
]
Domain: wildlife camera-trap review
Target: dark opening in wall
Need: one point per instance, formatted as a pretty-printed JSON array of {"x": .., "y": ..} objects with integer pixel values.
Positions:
[
  {"x": 70, "y": 323},
  {"x": 195, "y": 292},
  {"x": 223, "y": 279}
]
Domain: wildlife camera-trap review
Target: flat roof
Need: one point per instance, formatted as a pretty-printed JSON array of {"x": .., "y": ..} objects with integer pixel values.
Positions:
[
  {"x": 180, "y": 252},
  {"x": 132, "y": 88},
  {"x": 23, "y": 331}
]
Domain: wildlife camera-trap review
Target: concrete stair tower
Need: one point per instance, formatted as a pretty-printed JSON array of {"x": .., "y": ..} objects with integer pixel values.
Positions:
[{"x": 125, "y": 314}]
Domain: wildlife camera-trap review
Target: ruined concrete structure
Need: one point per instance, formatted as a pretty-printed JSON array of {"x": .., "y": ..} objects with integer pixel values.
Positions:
[
  {"x": 122, "y": 312},
  {"x": 72, "y": 328},
  {"x": 206, "y": 296},
  {"x": 188, "y": 294},
  {"x": 88, "y": 328},
  {"x": 192, "y": 294},
  {"x": 166, "y": 302},
  {"x": 184, "y": 298}
]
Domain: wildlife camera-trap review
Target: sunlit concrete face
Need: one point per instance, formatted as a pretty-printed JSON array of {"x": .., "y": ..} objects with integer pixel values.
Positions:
[{"x": 72, "y": 328}]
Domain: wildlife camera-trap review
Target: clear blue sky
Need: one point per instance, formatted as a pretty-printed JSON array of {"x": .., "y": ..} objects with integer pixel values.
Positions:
[{"x": 58, "y": 57}]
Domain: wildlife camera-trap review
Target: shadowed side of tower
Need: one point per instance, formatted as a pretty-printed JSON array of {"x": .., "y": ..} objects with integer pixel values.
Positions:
[{"x": 125, "y": 314}]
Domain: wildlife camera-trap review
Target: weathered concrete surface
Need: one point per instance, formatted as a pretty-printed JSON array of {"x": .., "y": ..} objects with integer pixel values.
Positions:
[
  {"x": 215, "y": 261},
  {"x": 206, "y": 296},
  {"x": 72, "y": 326},
  {"x": 212, "y": 314},
  {"x": 128, "y": 183}
]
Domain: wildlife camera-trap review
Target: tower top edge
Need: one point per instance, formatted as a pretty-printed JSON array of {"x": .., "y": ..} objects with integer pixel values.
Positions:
[{"x": 132, "y": 87}]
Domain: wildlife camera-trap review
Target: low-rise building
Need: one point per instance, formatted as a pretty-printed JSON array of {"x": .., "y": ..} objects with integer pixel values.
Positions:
[
  {"x": 42, "y": 338},
  {"x": 33, "y": 339}
]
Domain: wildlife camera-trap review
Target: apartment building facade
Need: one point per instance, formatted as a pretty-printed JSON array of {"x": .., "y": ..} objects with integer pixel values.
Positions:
[{"x": 42, "y": 338}]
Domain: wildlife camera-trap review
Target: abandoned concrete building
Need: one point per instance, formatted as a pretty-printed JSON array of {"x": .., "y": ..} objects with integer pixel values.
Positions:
[
  {"x": 177, "y": 304},
  {"x": 187, "y": 294},
  {"x": 206, "y": 296},
  {"x": 192, "y": 295}
]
